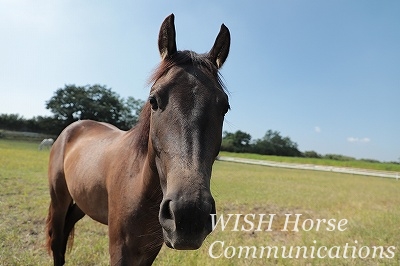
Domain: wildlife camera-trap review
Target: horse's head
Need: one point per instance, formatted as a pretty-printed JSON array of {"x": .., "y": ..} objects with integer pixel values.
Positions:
[{"x": 188, "y": 105}]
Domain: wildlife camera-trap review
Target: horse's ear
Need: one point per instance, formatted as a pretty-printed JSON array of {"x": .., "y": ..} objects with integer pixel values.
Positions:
[
  {"x": 219, "y": 52},
  {"x": 166, "y": 38}
]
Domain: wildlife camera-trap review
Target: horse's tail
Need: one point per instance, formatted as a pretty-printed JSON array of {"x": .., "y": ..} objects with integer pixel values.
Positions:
[{"x": 49, "y": 232}]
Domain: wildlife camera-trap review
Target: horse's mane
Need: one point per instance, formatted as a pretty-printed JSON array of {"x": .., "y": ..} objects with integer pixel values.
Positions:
[{"x": 142, "y": 128}]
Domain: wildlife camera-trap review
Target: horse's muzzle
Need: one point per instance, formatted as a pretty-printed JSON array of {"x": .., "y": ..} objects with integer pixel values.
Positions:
[{"x": 185, "y": 222}]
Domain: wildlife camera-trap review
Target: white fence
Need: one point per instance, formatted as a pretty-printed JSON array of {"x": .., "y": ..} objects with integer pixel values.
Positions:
[{"x": 334, "y": 169}]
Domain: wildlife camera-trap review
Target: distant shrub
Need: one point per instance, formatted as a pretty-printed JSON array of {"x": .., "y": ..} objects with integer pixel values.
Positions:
[
  {"x": 370, "y": 160},
  {"x": 339, "y": 157},
  {"x": 312, "y": 154}
]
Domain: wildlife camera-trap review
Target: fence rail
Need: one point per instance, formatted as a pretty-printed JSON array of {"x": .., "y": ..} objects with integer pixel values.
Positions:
[{"x": 334, "y": 169}]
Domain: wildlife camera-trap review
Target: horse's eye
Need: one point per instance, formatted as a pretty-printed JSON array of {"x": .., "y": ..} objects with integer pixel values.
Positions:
[{"x": 153, "y": 102}]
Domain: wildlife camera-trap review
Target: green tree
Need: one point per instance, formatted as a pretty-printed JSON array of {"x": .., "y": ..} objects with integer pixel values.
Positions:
[
  {"x": 132, "y": 111},
  {"x": 96, "y": 102},
  {"x": 236, "y": 142},
  {"x": 274, "y": 144}
]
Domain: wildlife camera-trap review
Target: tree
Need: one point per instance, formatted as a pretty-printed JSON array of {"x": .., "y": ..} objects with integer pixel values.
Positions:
[
  {"x": 236, "y": 142},
  {"x": 274, "y": 144},
  {"x": 95, "y": 102},
  {"x": 132, "y": 111}
]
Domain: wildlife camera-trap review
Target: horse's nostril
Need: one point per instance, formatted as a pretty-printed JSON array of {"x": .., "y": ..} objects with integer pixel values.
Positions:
[{"x": 167, "y": 217}]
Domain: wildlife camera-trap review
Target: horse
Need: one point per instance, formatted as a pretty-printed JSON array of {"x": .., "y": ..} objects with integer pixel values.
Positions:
[
  {"x": 46, "y": 143},
  {"x": 150, "y": 184}
]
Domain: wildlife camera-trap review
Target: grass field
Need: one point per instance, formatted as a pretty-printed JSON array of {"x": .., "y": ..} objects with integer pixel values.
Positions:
[{"x": 370, "y": 205}]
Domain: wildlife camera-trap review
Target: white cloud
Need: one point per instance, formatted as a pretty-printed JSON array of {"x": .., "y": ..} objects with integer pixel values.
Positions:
[
  {"x": 358, "y": 140},
  {"x": 317, "y": 129}
]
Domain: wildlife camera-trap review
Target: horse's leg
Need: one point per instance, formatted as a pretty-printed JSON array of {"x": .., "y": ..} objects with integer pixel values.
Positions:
[
  {"x": 125, "y": 252},
  {"x": 55, "y": 229},
  {"x": 133, "y": 240},
  {"x": 116, "y": 240},
  {"x": 74, "y": 214}
]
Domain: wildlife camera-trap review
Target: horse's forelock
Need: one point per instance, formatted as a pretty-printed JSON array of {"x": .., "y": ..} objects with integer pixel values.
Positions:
[{"x": 184, "y": 58}]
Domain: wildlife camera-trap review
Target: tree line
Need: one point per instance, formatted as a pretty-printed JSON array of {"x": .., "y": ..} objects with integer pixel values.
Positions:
[{"x": 271, "y": 144}]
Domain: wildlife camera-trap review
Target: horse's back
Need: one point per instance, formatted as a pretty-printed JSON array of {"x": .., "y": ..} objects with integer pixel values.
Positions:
[
  {"x": 80, "y": 156},
  {"x": 78, "y": 133}
]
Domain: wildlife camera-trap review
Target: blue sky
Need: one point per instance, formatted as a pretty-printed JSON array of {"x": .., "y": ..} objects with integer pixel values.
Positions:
[{"x": 324, "y": 73}]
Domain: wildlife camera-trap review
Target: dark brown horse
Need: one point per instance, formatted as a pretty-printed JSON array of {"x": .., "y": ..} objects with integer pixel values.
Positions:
[{"x": 150, "y": 184}]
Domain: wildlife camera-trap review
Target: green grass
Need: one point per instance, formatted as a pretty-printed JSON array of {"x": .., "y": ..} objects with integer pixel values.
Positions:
[
  {"x": 318, "y": 161},
  {"x": 371, "y": 206}
]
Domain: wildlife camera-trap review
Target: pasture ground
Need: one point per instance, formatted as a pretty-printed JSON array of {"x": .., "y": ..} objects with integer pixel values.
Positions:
[{"x": 371, "y": 206}]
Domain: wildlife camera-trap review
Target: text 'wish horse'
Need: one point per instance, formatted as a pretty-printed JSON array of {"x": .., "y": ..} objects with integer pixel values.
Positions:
[{"x": 151, "y": 184}]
